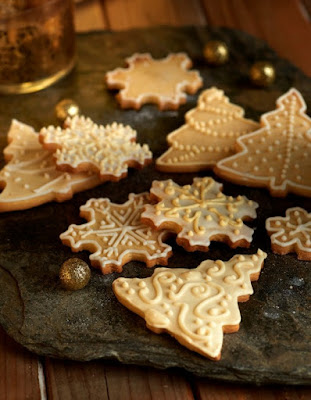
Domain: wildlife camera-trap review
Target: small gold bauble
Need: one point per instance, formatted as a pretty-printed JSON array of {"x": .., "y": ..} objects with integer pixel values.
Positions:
[
  {"x": 66, "y": 108},
  {"x": 262, "y": 73},
  {"x": 74, "y": 274},
  {"x": 216, "y": 52}
]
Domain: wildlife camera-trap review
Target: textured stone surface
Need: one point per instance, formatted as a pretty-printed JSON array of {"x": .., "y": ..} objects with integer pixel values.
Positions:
[{"x": 273, "y": 344}]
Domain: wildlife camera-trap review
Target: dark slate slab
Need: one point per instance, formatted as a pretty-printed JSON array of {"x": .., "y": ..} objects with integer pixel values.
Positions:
[{"x": 273, "y": 344}]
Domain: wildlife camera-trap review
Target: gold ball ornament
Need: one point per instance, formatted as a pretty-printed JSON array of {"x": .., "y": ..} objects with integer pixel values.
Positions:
[
  {"x": 262, "y": 73},
  {"x": 74, "y": 274},
  {"x": 216, "y": 52},
  {"x": 66, "y": 108}
]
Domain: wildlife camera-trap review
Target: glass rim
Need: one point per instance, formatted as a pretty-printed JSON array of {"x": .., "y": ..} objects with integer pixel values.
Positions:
[{"x": 26, "y": 11}]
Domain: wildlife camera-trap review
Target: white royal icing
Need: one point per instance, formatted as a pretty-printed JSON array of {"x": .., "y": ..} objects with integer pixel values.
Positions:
[
  {"x": 208, "y": 135},
  {"x": 281, "y": 150},
  {"x": 195, "y": 306},
  {"x": 115, "y": 235},
  {"x": 293, "y": 231},
  {"x": 30, "y": 177},
  {"x": 148, "y": 80},
  {"x": 84, "y": 145},
  {"x": 200, "y": 211}
]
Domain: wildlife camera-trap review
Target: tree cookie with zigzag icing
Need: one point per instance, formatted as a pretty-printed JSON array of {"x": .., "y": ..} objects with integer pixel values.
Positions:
[{"x": 208, "y": 135}]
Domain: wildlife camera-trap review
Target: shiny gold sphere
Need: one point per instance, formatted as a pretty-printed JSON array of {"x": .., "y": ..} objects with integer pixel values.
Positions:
[
  {"x": 262, "y": 73},
  {"x": 216, "y": 52},
  {"x": 74, "y": 274},
  {"x": 66, "y": 108}
]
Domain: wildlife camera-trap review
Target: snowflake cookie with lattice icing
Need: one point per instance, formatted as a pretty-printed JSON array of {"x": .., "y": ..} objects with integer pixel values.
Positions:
[
  {"x": 147, "y": 80},
  {"x": 30, "y": 177},
  {"x": 85, "y": 146},
  {"x": 291, "y": 234},
  {"x": 196, "y": 306},
  {"x": 208, "y": 135},
  {"x": 200, "y": 213},
  {"x": 115, "y": 235},
  {"x": 277, "y": 156}
]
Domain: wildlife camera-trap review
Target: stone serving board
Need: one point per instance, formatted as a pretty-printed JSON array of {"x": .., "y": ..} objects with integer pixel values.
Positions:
[{"x": 274, "y": 340}]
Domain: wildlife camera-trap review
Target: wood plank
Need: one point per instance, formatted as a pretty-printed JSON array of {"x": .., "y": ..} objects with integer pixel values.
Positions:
[
  {"x": 89, "y": 16},
  {"x": 126, "y": 14},
  {"x": 136, "y": 383},
  {"x": 18, "y": 371},
  {"x": 67, "y": 380},
  {"x": 206, "y": 390},
  {"x": 269, "y": 20}
]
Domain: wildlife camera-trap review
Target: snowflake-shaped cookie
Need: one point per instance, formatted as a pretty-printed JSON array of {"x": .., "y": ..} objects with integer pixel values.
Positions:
[
  {"x": 200, "y": 213},
  {"x": 30, "y": 177},
  {"x": 116, "y": 235},
  {"x": 162, "y": 82},
  {"x": 85, "y": 146},
  {"x": 291, "y": 233},
  {"x": 195, "y": 306}
]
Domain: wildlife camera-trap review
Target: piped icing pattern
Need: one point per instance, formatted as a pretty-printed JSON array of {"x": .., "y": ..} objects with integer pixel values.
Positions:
[
  {"x": 146, "y": 80},
  {"x": 291, "y": 233},
  {"x": 30, "y": 177},
  {"x": 208, "y": 135},
  {"x": 196, "y": 306},
  {"x": 199, "y": 213},
  {"x": 277, "y": 156},
  {"x": 115, "y": 235},
  {"x": 83, "y": 146}
]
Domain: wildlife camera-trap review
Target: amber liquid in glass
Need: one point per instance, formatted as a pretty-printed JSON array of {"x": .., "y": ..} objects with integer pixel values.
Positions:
[{"x": 37, "y": 44}]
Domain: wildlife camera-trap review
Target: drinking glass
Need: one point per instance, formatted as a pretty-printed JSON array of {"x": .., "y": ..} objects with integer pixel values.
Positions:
[{"x": 37, "y": 43}]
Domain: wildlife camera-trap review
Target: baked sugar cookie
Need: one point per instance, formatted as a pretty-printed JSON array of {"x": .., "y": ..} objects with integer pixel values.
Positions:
[
  {"x": 115, "y": 235},
  {"x": 291, "y": 234},
  {"x": 200, "y": 213},
  {"x": 196, "y": 306},
  {"x": 277, "y": 156},
  {"x": 85, "y": 146},
  {"x": 146, "y": 80},
  {"x": 30, "y": 178},
  {"x": 208, "y": 135}
]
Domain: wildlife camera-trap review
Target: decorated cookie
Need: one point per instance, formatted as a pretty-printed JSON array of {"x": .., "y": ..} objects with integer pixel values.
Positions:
[
  {"x": 162, "y": 82},
  {"x": 115, "y": 235},
  {"x": 209, "y": 134},
  {"x": 291, "y": 234},
  {"x": 200, "y": 213},
  {"x": 85, "y": 146},
  {"x": 30, "y": 178},
  {"x": 195, "y": 306},
  {"x": 277, "y": 156}
]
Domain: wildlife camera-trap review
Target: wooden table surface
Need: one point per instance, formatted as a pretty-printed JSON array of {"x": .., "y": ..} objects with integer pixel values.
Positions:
[{"x": 286, "y": 26}]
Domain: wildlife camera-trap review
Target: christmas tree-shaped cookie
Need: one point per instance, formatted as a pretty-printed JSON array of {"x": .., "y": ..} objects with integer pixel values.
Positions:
[
  {"x": 208, "y": 135},
  {"x": 195, "y": 306},
  {"x": 277, "y": 156},
  {"x": 30, "y": 177}
]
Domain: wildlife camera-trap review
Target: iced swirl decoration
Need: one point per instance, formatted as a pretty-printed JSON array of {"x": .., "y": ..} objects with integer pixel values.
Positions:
[
  {"x": 200, "y": 212},
  {"x": 196, "y": 306},
  {"x": 197, "y": 201}
]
